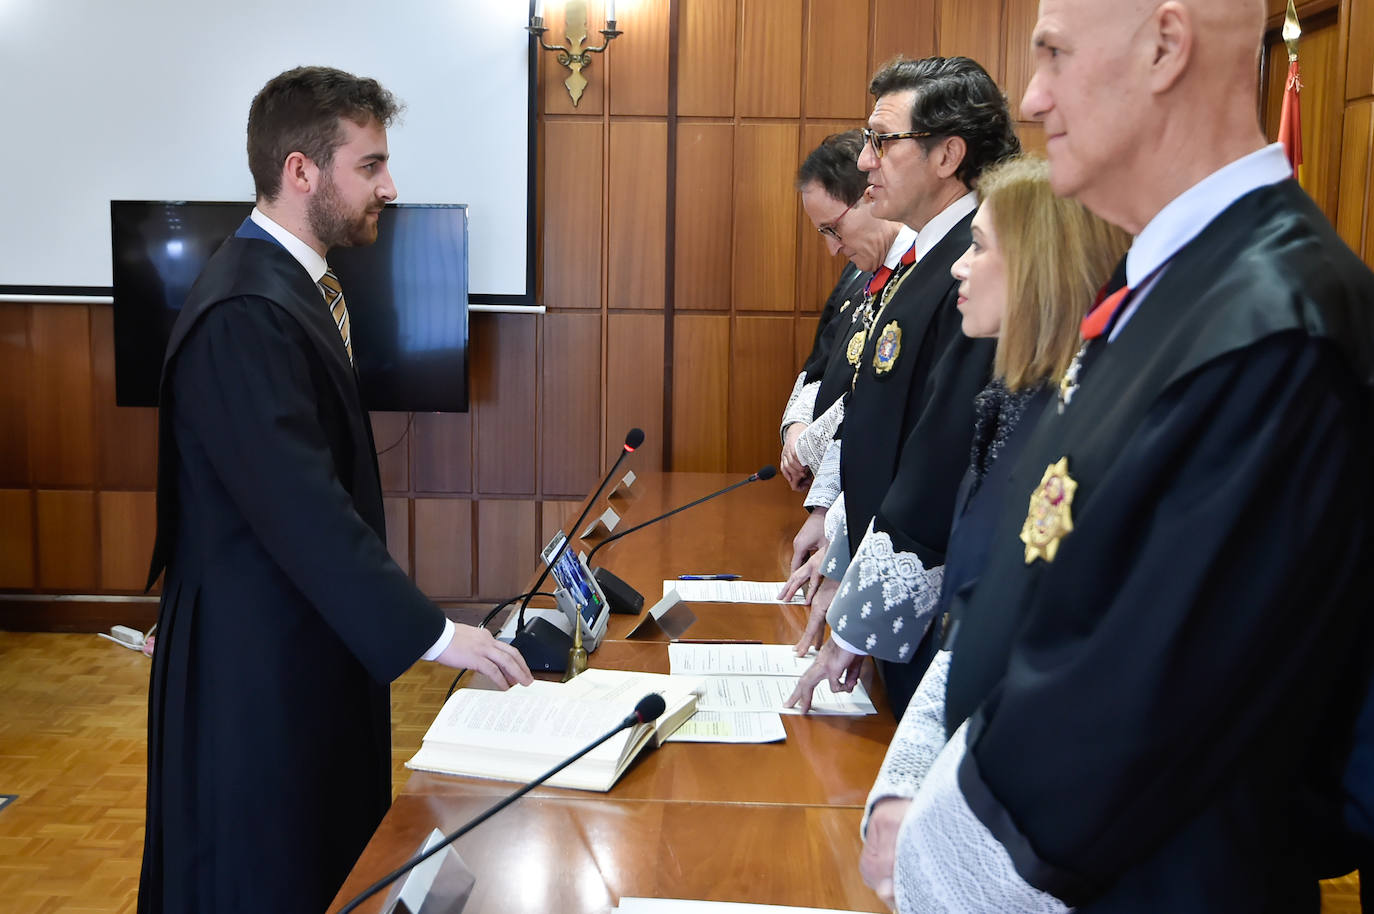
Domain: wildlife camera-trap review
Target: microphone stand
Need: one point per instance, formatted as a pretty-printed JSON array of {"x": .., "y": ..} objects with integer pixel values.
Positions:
[{"x": 639, "y": 716}]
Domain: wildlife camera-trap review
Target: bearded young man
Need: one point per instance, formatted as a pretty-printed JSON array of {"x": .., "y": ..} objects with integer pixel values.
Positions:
[{"x": 283, "y": 618}]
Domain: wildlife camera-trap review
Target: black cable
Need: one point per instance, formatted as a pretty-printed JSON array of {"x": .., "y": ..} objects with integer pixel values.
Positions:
[
  {"x": 486, "y": 620},
  {"x": 410, "y": 418}
]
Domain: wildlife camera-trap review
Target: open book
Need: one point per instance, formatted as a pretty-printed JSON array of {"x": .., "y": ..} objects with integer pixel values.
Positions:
[{"x": 519, "y": 734}]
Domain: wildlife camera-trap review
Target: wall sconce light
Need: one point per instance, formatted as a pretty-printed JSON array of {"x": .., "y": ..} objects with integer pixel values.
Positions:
[{"x": 576, "y": 55}]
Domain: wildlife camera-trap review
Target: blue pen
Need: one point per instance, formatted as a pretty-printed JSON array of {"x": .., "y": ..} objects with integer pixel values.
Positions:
[{"x": 708, "y": 577}]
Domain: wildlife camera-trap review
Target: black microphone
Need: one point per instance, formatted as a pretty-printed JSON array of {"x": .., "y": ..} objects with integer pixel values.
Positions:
[
  {"x": 633, "y": 440},
  {"x": 621, "y": 596},
  {"x": 649, "y": 709}
]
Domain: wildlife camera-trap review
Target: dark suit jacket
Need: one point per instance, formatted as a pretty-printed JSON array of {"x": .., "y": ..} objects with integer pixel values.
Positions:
[{"x": 283, "y": 617}]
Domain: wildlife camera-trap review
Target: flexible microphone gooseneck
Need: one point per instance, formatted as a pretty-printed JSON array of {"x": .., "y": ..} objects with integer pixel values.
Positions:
[
  {"x": 764, "y": 473},
  {"x": 633, "y": 440},
  {"x": 650, "y": 708}
]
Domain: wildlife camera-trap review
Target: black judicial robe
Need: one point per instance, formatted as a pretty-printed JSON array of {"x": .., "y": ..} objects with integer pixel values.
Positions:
[
  {"x": 843, "y": 299},
  {"x": 1159, "y": 715},
  {"x": 927, "y": 391},
  {"x": 283, "y": 618}
]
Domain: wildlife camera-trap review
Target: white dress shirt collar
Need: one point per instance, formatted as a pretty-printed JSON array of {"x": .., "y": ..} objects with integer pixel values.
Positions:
[
  {"x": 305, "y": 255},
  {"x": 906, "y": 237},
  {"x": 937, "y": 228},
  {"x": 1193, "y": 210}
]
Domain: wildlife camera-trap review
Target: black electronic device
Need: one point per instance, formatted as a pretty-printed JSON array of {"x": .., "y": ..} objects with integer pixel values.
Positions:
[{"x": 406, "y": 294}]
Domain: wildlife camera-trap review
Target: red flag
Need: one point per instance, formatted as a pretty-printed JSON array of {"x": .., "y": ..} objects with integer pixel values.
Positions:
[{"x": 1290, "y": 118}]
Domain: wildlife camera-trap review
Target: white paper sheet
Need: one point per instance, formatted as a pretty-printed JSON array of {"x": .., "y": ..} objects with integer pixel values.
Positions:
[
  {"x": 730, "y": 727},
  {"x": 767, "y": 693},
  {"x": 737, "y": 660},
  {"x": 731, "y": 591}
]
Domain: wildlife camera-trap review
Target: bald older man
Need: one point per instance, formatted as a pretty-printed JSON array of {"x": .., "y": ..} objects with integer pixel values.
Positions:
[{"x": 1153, "y": 689}]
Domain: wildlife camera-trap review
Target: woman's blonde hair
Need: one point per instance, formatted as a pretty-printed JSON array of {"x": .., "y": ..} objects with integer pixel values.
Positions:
[{"x": 1057, "y": 255}]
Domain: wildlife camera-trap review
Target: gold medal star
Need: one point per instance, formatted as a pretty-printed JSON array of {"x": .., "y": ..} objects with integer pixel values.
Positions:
[{"x": 1049, "y": 517}]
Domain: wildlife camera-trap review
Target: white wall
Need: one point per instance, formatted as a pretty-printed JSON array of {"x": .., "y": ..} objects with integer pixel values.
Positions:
[{"x": 148, "y": 100}]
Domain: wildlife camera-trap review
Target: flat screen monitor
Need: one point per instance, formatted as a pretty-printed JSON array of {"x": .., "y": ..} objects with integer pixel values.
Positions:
[{"x": 406, "y": 294}]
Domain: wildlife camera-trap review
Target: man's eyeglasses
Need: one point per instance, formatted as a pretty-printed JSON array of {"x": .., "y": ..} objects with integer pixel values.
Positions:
[
  {"x": 876, "y": 140},
  {"x": 831, "y": 229}
]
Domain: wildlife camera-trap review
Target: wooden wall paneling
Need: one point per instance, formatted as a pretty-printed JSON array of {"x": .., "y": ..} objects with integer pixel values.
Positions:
[
  {"x": 391, "y": 434},
  {"x": 634, "y": 386},
  {"x": 61, "y": 445},
  {"x": 67, "y": 541},
  {"x": 637, "y": 214},
  {"x": 14, "y": 394},
  {"x": 16, "y": 539},
  {"x": 1032, "y": 136},
  {"x": 805, "y": 339},
  {"x": 443, "y": 547},
  {"x": 504, "y": 378},
  {"x": 556, "y": 514},
  {"x": 570, "y": 417},
  {"x": 506, "y": 549},
  {"x": 901, "y": 27},
  {"x": 126, "y": 435},
  {"x": 553, "y": 74},
  {"x": 397, "y": 510},
  {"x": 973, "y": 28},
  {"x": 1357, "y": 170},
  {"x": 837, "y": 59},
  {"x": 442, "y": 444},
  {"x": 572, "y": 213},
  {"x": 817, "y": 268},
  {"x": 1020, "y": 21},
  {"x": 703, "y": 216},
  {"x": 706, "y": 57},
  {"x": 701, "y": 356},
  {"x": 768, "y": 79},
  {"x": 128, "y": 524},
  {"x": 637, "y": 62},
  {"x": 766, "y": 210},
  {"x": 1359, "y": 68},
  {"x": 760, "y": 379}
]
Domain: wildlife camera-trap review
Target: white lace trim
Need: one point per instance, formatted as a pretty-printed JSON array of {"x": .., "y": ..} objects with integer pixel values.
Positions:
[
  {"x": 836, "y": 524},
  {"x": 799, "y": 406},
  {"x": 815, "y": 441},
  {"x": 947, "y": 862},
  {"x": 825, "y": 488},
  {"x": 919, "y": 738},
  {"x": 909, "y": 592}
]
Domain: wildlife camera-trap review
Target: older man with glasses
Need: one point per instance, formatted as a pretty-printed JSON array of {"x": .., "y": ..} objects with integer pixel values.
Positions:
[
  {"x": 937, "y": 123},
  {"x": 833, "y": 196}
]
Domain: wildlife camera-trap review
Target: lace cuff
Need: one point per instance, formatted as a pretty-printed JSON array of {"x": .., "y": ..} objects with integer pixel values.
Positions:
[
  {"x": 815, "y": 441},
  {"x": 800, "y": 404},
  {"x": 947, "y": 860},
  {"x": 825, "y": 488},
  {"x": 836, "y": 561},
  {"x": 919, "y": 738},
  {"x": 886, "y": 600}
]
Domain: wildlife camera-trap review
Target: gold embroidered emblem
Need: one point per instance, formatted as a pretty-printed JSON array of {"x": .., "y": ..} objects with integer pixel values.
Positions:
[
  {"x": 1049, "y": 517},
  {"x": 888, "y": 348},
  {"x": 856, "y": 347},
  {"x": 845, "y": 306}
]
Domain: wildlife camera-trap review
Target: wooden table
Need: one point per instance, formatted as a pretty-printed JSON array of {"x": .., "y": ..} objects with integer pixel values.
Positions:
[{"x": 772, "y": 824}]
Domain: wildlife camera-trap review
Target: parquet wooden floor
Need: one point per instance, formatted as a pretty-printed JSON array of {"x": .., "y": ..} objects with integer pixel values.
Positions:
[
  {"x": 73, "y": 718},
  {"x": 73, "y": 746}
]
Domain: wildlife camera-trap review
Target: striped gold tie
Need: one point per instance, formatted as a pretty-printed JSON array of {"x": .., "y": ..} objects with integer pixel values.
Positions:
[{"x": 332, "y": 291}]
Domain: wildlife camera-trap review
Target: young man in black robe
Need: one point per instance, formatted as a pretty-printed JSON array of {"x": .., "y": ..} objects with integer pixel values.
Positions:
[
  {"x": 283, "y": 618},
  {"x": 937, "y": 123},
  {"x": 1153, "y": 687}
]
